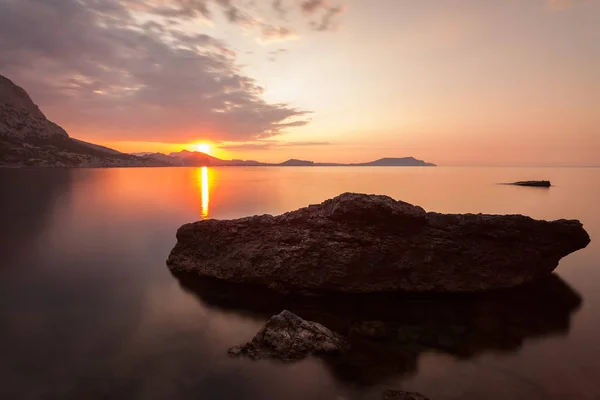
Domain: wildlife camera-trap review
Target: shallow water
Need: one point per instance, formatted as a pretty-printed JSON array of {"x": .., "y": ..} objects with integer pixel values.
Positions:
[{"x": 88, "y": 308}]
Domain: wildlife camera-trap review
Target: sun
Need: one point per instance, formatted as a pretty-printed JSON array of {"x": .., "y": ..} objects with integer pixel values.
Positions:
[{"x": 202, "y": 147}]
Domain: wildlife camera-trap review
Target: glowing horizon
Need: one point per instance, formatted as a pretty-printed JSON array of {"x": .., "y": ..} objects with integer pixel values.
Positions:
[
  {"x": 459, "y": 83},
  {"x": 201, "y": 147}
]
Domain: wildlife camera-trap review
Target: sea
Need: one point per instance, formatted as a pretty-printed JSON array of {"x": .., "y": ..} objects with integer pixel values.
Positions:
[{"x": 90, "y": 310}]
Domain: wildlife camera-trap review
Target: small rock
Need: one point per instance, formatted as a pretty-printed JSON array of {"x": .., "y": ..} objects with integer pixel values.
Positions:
[
  {"x": 533, "y": 183},
  {"x": 288, "y": 337}
]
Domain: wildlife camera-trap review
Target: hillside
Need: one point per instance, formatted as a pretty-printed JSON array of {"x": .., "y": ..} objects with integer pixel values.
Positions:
[
  {"x": 29, "y": 139},
  {"x": 397, "y": 162}
]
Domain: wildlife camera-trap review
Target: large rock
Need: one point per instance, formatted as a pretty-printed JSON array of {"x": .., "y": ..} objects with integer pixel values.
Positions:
[
  {"x": 359, "y": 243},
  {"x": 288, "y": 337}
]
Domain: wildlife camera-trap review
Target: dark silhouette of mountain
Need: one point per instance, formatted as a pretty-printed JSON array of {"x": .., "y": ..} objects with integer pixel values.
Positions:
[
  {"x": 397, "y": 162},
  {"x": 28, "y": 139},
  {"x": 197, "y": 159},
  {"x": 297, "y": 163},
  {"x": 248, "y": 163},
  {"x": 194, "y": 158}
]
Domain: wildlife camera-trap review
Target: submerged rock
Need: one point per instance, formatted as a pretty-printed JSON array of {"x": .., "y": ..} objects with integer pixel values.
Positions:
[
  {"x": 533, "y": 183},
  {"x": 400, "y": 395},
  {"x": 357, "y": 243},
  {"x": 388, "y": 333},
  {"x": 288, "y": 337}
]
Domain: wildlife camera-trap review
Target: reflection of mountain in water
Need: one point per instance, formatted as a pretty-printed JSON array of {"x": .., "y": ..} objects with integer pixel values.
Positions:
[
  {"x": 389, "y": 332},
  {"x": 26, "y": 208}
]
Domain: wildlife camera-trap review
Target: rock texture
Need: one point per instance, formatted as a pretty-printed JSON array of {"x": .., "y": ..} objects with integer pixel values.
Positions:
[
  {"x": 359, "y": 243},
  {"x": 533, "y": 183},
  {"x": 288, "y": 337},
  {"x": 20, "y": 118},
  {"x": 400, "y": 395},
  {"x": 28, "y": 139},
  {"x": 17, "y": 98}
]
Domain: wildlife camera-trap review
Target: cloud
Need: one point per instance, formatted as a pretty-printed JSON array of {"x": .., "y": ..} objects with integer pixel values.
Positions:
[
  {"x": 311, "y": 6},
  {"x": 239, "y": 12},
  {"x": 279, "y": 9},
  {"x": 328, "y": 13},
  {"x": 99, "y": 67},
  {"x": 328, "y": 20},
  {"x": 247, "y": 14},
  {"x": 302, "y": 144},
  {"x": 274, "y": 54},
  {"x": 268, "y": 144},
  {"x": 246, "y": 146},
  {"x": 270, "y": 33}
]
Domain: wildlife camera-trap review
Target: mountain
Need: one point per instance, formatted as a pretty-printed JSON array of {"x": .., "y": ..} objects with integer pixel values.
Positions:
[
  {"x": 297, "y": 163},
  {"x": 397, "y": 162},
  {"x": 199, "y": 159},
  {"x": 195, "y": 158},
  {"x": 29, "y": 139}
]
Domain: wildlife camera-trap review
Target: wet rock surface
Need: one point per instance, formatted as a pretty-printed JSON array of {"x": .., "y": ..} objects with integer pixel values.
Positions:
[{"x": 358, "y": 243}]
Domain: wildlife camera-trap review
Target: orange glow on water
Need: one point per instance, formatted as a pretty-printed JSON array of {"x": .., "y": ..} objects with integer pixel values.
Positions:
[{"x": 202, "y": 178}]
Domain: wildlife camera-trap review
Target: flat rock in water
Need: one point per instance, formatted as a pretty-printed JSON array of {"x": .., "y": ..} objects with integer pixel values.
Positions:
[
  {"x": 533, "y": 183},
  {"x": 358, "y": 243},
  {"x": 400, "y": 395},
  {"x": 288, "y": 337}
]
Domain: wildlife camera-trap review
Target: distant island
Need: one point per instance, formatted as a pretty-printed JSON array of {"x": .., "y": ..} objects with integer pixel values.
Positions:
[
  {"x": 29, "y": 139},
  {"x": 187, "y": 158}
]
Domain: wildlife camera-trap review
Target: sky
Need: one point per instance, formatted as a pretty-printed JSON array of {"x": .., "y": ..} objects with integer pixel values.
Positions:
[{"x": 454, "y": 82}]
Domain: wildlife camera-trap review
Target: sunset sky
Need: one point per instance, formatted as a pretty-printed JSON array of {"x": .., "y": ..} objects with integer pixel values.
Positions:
[{"x": 456, "y": 82}]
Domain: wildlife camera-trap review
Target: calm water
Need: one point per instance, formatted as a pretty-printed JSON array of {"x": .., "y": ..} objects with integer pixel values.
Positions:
[{"x": 89, "y": 310}]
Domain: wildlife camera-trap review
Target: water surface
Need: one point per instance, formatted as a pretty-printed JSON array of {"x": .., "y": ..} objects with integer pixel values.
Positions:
[{"x": 88, "y": 308}]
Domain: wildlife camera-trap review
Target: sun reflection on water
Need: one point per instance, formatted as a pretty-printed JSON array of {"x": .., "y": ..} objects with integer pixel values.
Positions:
[{"x": 202, "y": 177}]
